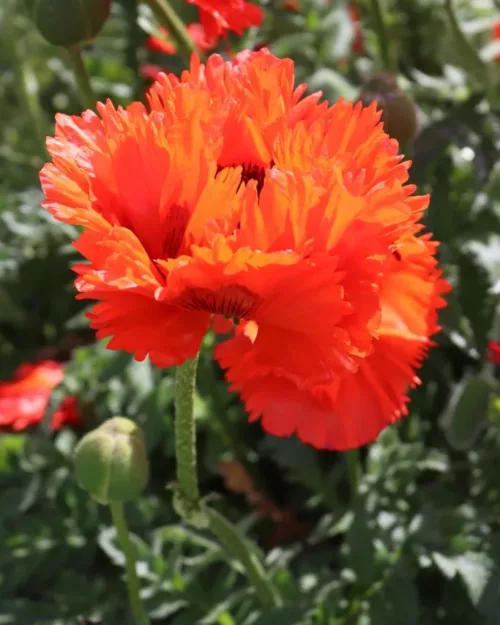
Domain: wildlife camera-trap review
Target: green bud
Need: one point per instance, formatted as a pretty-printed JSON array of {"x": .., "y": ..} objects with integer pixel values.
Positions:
[
  {"x": 111, "y": 461},
  {"x": 399, "y": 113},
  {"x": 68, "y": 22}
]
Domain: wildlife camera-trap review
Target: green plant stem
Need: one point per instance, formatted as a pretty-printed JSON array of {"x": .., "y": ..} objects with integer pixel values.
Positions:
[
  {"x": 353, "y": 470},
  {"x": 470, "y": 58},
  {"x": 87, "y": 96},
  {"x": 238, "y": 548},
  {"x": 187, "y": 494},
  {"x": 26, "y": 80},
  {"x": 138, "y": 610},
  {"x": 135, "y": 39},
  {"x": 382, "y": 35},
  {"x": 185, "y": 435},
  {"x": 169, "y": 19}
]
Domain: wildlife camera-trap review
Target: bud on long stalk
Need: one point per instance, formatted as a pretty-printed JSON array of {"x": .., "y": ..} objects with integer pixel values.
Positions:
[{"x": 111, "y": 462}]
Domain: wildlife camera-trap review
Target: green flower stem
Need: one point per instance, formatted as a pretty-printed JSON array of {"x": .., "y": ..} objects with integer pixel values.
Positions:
[
  {"x": 26, "y": 79},
  {"x": 135, "y": 39},
  {"x": 353, "y": 470},
  {"x": 169, "y": 19},
  {"x": 138, "y": 610},
  {"x": 239, "y": 549},
  {"x": 470, "y": 58},
  {"x": 188, "y": 492},
  {"x": 87, "y": 96},
  {"x": 382, "y": 35}
]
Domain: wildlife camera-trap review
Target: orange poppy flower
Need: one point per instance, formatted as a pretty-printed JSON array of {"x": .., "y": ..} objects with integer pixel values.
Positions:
[
  {"x": 218, "y": 17},
  {"x": 164, "y": 44},
  {"x": 284, "y": 222},
  {"x": 24, "y": 399}
]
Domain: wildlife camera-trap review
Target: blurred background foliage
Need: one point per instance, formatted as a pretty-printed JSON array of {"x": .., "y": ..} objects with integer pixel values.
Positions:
[{"x": 404, "y": 533}]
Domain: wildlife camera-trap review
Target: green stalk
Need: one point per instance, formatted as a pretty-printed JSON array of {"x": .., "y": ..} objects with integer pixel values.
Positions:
[
  {"x": 382, "y": 35},
  {"x": 238, "y": 548},
  {"x": 470, "y": 58},
  {"x": 187, "y": 492},
  {"x": 87, "y": 96},
  {"x": 353, "y": 470},
  {"x": 169, "y": 19},
  {"x": 140, "y": 615}
]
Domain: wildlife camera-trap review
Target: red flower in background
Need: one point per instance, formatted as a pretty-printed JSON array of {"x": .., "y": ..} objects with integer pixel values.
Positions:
[
  {"x": 495, "y": 34},
  {"x": 218, "y": 17},
  {"x": 24, "y": 399},
  {"x": 279, "y": 220},
  {"x": 291, "y": 5},
  {"x": 149, "y": 71},
  {"x": 494, "y": 352},
  {"x": 166, "y": 46},
  {"x": 358, "y": 44}
]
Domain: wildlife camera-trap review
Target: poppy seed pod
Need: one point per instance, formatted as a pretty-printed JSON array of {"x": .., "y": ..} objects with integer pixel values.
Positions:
[
  {"x": 68, "y": 22},
  {"x": 398, "y": 110},
  {"x": 111, "y": 462}
]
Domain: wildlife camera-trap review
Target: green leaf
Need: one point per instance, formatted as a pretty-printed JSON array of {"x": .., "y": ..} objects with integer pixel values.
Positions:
[
  {"x": 468, "y": 412},
  {"x": 361, "y": 556}
]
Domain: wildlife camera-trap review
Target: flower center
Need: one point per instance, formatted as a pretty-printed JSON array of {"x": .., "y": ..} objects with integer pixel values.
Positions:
[
  {"x": 175, "y": 227},
  {"x": 253, "y": 172},
  {"x": 232, "y": 301}
]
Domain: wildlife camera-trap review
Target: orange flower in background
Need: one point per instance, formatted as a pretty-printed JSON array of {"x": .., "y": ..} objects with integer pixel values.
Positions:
[
  {"x": 284, "y": 223},
  {"x": 494, "y": 352},
  {"x": 24, "y": 399},
  {"x": 218, "y": 17},
  {"x": 197, "y": 33}
]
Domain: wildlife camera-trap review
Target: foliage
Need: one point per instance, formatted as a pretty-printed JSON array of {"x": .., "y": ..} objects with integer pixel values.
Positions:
[{"x": 417, "y": 541}]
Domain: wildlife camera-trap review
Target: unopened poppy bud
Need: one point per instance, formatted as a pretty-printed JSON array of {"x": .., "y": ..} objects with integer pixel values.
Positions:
[
  {"x": 111, "y": 461},
  {"x": 398, "y": 110},
  {"x": 68, "y": 22}
]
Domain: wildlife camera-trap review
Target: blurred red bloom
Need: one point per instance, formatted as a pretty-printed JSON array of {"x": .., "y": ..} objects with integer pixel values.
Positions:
[
  {"x": 287, "y": 224},
  {"x": 149, "y": 71},
  {"x": 358, "y": 44},
  {"x": 495, "y": 34},
  {"x": 24, "y": 399},
  {"x": 494, "y": 352},
  {"x": 218, "y": 17},
  {"x": 291, "y": 5},
  {"x": 197, "y": 33}
]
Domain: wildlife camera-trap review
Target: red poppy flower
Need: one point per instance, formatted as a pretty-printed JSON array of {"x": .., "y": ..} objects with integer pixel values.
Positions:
[
  {"x": 495, "y": 34},
  {"x": 288, "y": 223},
  {"x": 24, "y": 399},
  {"x": 166, "y": 46},
  {"x": 149, "y": 71},
  {"x": 358, "y": 44},
  {"x": 494, "y": 352},
  {"x": 220, "y": 16}
]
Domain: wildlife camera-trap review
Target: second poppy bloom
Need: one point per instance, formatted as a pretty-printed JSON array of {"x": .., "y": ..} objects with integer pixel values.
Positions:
[{"x": 284, "y": 223}]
